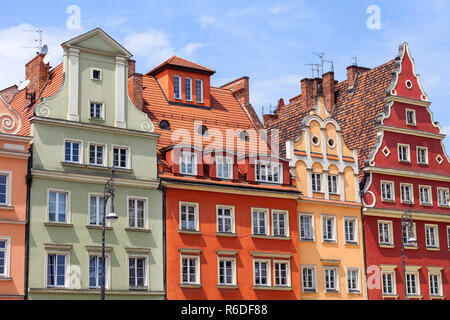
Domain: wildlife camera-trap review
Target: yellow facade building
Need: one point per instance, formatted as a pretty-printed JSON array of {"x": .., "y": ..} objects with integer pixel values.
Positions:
[{"x": 331, "y": 250}]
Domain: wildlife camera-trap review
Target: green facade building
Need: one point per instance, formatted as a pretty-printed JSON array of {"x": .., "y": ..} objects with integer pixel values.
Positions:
[{"x": 79, "y": 134}]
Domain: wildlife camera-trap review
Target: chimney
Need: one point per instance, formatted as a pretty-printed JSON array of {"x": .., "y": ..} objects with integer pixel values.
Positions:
[
  {"x": 38, "y": 74},
  {"x": 240, "y": 88},
  {"x": 307, "y": 87},
  {"x": 328, "y": 90},
  {"x": 352, "y": 72},
  {"x": 135, "y": 88},
  {"x": 131, "y": 67}
]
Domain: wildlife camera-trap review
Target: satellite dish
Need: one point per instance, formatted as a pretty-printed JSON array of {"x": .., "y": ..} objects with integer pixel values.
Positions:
[
  {"x": 23, "y": 85},
  {"x": 46, "y": 59},
  {"x": 44, "y": 49}
]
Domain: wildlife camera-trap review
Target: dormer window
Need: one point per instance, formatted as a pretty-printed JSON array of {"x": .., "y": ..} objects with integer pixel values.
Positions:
[
  {"x": 199, "y": 90},
  {"x": 224, "y": 167},
  {"x": 177, "y": 87},
  {"x": 188, "y": 163},
  {"x": 96, "y": 110},
  {"x": 96, "y": 74},
  {"x": 411, "y": 117},
  {"x": 268, "y": 172},
  {"x": 188, "y": 88}
]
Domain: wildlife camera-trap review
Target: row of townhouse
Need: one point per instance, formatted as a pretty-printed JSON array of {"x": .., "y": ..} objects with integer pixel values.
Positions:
[{"x": 210, "y": 204}]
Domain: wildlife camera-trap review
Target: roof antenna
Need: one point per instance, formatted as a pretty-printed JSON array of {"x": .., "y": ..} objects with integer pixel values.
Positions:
[
  {"x": 38, "y": 40},
  {"x": 355, "y": 60},
  {"x": 320, "y": 55},
  {"x": 314, "y": 68},
  {"x": 332, "y": 64}
]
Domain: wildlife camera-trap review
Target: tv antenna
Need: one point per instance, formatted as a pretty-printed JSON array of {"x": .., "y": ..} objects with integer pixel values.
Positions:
[
  {"x": 315, "y": 67},
  {"x": 355, "y": 60},
  {"x": 37, "y": 40},
  {"x": 320, "y": 55}
]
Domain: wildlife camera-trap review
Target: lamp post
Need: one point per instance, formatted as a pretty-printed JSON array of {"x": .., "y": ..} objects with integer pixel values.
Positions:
[
  {"x": 407, "y": 224},
  {"x": 112, "y": 216}
]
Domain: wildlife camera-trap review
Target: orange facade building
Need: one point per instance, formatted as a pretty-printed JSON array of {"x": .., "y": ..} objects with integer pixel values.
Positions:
[{"x": 13, "y": 202}]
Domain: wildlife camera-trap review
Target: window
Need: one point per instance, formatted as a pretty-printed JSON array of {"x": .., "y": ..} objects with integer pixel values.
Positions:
[
  {"x": 331, "y": 279},
  {"x": 199, "y": 90},
  {"x": 136, "y": 213},
  {"x": 136, "y": 274},
  {"x": 188, "y": 216},
  {"x": 309, "y": 278},
  {"x": 4, "y": 257},
  {"x": 3, "y": 189},
  {"x": 431, "y": 235},
  {"x": 188, "y": 88},
  {"x": 351, "y": 230},
  {"x": 177, "y": 87},
  {"x": 260, "y": 221},
  {"x": 72, "y": 151},
  {"x": 96, "y": 210},
  {"x": 281, "y": 276},
  {"x": 329, "y": 228},
  {"x": 96, "y": 74},
  {"x": 188, "y": 163},
  {"x": 225, "y": 217},
  {"x": 406, "y": 193},
  {"x": 448, "y": 237},
  {"x": 120, "y": 157},
  {"x": 96, "y": 110},
  {"x": 411, "y": 117},
  {"x": 435, "y": 281},
  {"x": 409, "y": 232},
  {"x": 190, "y": 270},
  {"x": 316, "y": 182},
  {"x": 412, "y": 284},
  {"x": 306, "y": 227},
  {"x": 353, "y": 283},
  {"x": 57, "y": 206},
  {"x": 95, "y": 271},
  {"x": 56, "y": 270},
  {"x": 224, "y": 167},
  {"x": 268, "y": 172},
  {"x": 96, "y": 154},
  {"x": 403, "y": 152},
  {"x": 422, "y": 155},
  {"x": 261, "y": 272},
  {"x": 332, "y": 184},
  {"x": 164, "y": 125},
  {"x": 388, "y": 283},
  {"x": 443, "y": 197},
  {"x": 387, "y": 191},
  {"x": 384, "y": 232},
  {"x": 280, "y": 223},
  {"x": 425, "y": 195},
  {"x": 227, "y": 271}
]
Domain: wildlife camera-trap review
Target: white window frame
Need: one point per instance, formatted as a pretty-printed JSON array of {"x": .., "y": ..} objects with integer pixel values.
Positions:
[
  {"x": 439, "y": 275},
  {"x": 312, "y": 228},
  {"x": 392, "y": 184},
  {"x": 266, "y": 221},
  {"x": 393, "y": 282},
  {"x": 434, "y": 227},
  {"x": 286, "y": 222},
  {"x": 418, "y": 148},
  {"x": 197, "y": 81},
  {"x": 448, "y": 237},
  {"x": 80, "y": 151},
  {"x": 7, "y": 267},
  {"x": 336, "y": 279},
  {"x": 68, "y": 206},
  {"x": 98, "y": 213},
  {"x": 356, "y": 233},
  {"x": 136, "y": 198},
  {"x": 334, "y": 184},
  {"x": 408, "y": 235},
  {"x": 314, "y": 181},
  {"x": 232, "y": 218},
  {"x": 107, "y": 269},
  {"x": 102, "y": 110},
  {"x": 128, "y": 158},
  {"x": 105, "y": 153},
  {"x": 177, "y": 95},
  {"x": 65, "y": 253},
  {"x": 196, "y": 215},
  {"x": 411, "y": 193},
  {"x": 146, "y": 269},
  {"x": 268, "y": 272},
  {"x": 414, "y": 117},
  {"x": 334, "y": 238},
  {"x": 190, "y": 88},
  {"x": 229, "y": 165},
  {"x": 288, "y": 272},
  {"x": 408, "y": 152},
  {"x": 185, "y": 155},
  {"x": 9, "y": 178},
  {"x": 390, "y": 232},
  {"x": 430, "y": 195},
  {"x": 314, "y": 278},
  {"x": 358, "y": 282},
  {"x": 197, "y": 269},
  {"x": 417, "y": 282},
  {"x": 100, "y": 72},
  {"x": 271, "y": 165},
  {"x": 233, "y": 270},
  {"x": 439, "y": 193}
]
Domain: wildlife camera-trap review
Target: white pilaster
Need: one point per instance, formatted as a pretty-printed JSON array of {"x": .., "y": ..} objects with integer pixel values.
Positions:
[
  {"x": 73, "y": 79},
  {"x": 342, "y": 186},
  {"x": 120, "y": 93}
]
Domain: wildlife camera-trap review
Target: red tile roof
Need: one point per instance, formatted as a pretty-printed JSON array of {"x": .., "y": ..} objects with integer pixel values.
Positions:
[{"x": 180, "y": 62}]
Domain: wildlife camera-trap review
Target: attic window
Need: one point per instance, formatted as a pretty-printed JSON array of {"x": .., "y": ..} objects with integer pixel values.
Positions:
[
  {"x": 96, "y": 74},
  {"x": 408, "y": 84},
  {"x": 243, "y": 135},
  {"x": 203, "y": 130},
  {"x": 164, "y": 125},
  {"x": 315, "y": 140},
  {"x": 331, "y": 142}
]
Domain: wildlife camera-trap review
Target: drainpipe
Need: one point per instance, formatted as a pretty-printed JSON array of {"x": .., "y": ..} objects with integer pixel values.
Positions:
[
  {"x": 29, "y": 179},
  {"x": 364, "y": 243},
  {"x": 164, "y": 239}
]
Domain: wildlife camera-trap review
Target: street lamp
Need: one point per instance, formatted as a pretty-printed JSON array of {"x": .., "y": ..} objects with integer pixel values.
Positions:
[
  {"x": 112, "y": 216},
  {"x": 407, "y": 225}
]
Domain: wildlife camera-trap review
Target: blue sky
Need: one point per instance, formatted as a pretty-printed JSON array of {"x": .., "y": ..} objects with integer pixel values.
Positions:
[{"x": 269, "y": 41}]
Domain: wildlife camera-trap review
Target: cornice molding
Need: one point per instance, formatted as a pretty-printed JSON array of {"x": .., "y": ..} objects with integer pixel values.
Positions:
[
  {"x": 389, "y": 213},
  {"x": 408, "y": 174},
  {"x": 413, "y": 132}
]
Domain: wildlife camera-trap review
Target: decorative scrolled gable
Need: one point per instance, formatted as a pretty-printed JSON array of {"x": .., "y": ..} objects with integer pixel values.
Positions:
[{"x": 10, "y": 121}]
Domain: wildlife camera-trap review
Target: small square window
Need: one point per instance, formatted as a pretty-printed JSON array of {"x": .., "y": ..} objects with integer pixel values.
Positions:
[
  {"x": 72, "y": 151},
  {"x": 96, "y": 74},
  {"x": 422, "y": 155},
  {"x": 403, "y": 153},
  {"x": 410, "y": 117},
  {"x": 120, "y": 157},
  {"x": 387, "y": 191},
  {"x": 96, "y": 110}
]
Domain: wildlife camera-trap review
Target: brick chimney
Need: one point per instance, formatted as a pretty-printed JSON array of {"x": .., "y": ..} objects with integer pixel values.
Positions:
[
  {"x": 328, "y": 84},
  {"x": 240, "y": 88},
  {"x": 131, "y": 67},
  {"x": 38, "y": 74},
  {"x": 307, "y": 87},
  {"x": 135, "y": 88},
  {"x": 352, "y": 71}
]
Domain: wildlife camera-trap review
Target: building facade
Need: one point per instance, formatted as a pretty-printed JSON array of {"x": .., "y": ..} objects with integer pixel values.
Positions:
[{"x": 83, "y": 124}]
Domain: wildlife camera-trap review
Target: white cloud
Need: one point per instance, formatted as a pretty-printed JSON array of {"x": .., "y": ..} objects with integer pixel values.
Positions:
[
  {"x": 205, "y": 21},
  {"x": 189, "y": 50}
]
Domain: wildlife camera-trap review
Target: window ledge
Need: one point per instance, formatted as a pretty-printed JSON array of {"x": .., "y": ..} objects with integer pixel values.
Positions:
[
  {"x": 98, "y": 227},
  {"x": 443, "y": 206},
  {"x": 72, "y": 164},
  {"x": 332, "y": 291},
  {"x": 355, "y": 292},
  {"x": 426, "y": 204},
  {"x": 388, "y": 200},
  {"x": 96, "y": 119},
  {"x": 261, "y": 236},
  {"x": 227, "y": 286},
  {"x": 437, "y": 297},
  {"x": 389, "y": 296},
  {"x": 2, "y": 278},
  {"x": 280, "y": 288},
  {"x": 410, "y": 247},
  {"x": 138, "y": 230},
  {"x": 307, "y": 240},
  {"x": 190, "y": 285},
  {"x": 6, "y": 207},
  {"x": 415, "y": 296},
  {"x": 433, "y": 248},
  {"x": 94, "y": 166},
  {"x": 352, "y": 243},
  {"x": 189, "y": 231},
  {"x": 329, "y": 241},
  {"x": 386, "y": 245},
  {"x": 58, "y": 224},
  {"x": 142, "y": 288},
  {"x": 309, "y": 291},
  {"x": 226, "y": 234}
]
